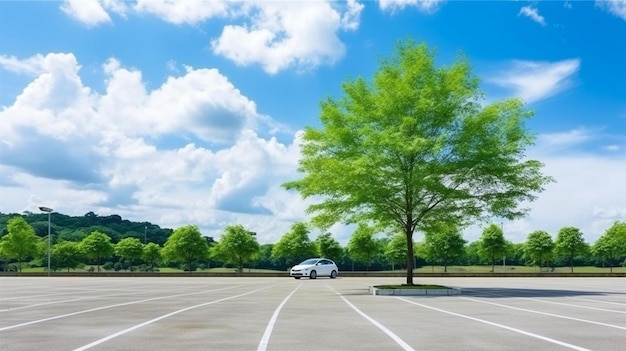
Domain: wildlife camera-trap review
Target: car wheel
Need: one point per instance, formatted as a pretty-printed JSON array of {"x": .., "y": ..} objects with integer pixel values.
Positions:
[
  {"x": 313, "y": 275},
  {"x": 296, "y": 277},
  {"x": 333, "y": 274}
]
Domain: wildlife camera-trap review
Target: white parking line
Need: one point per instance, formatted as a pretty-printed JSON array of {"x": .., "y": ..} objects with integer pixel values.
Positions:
[
  {"x": 115, "y": 335},
  {"x": 548, "y": 314},
  {"x": 389, "y": 333},
  {"x": 572, "y": 305},
  {"x": 270, "y": 326},
  {"x": 109, "y": 306},
  {"x": 537, "y": 336}
]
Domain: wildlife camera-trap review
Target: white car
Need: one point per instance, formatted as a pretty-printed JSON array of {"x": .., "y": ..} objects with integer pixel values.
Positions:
[{"x": 315, "y": 267}]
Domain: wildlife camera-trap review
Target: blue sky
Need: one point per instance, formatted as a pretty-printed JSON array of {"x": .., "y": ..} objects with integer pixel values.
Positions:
[{"x": 189, "y": 112}]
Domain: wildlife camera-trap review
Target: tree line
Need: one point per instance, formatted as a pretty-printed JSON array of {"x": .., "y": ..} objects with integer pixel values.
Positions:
[{"x": 367, "y": 249}]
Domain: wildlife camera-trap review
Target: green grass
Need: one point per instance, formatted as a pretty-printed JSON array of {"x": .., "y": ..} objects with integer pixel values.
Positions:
[{"x": 516, "y": 269}]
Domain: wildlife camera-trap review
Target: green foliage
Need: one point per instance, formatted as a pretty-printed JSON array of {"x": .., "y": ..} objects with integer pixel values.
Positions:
[
  {"x": 395, "y": 249},
  {"x": 97, "y": 246},
  {"x": 569, "y": 243},
  {"x": 151, "y": 254},
  {"x": 415, "y": 147},
  {"x": 612, "y": 244},
  {"x": 539, "y": 247},
  {"x": 67, "y": 254},
  {"x": 130, "y": 249},
  {"x": 492, "y": 244},
  {"x": 186, "y": 246},
  {"x": 444, "y": 245},
  {"x": 362, "y": 246},
  {"x": 237, "y": 246},
  {"x": 328, "y": 247},
  {"x": 20, "y": 242},
  {"x": 295, "y": 246}
]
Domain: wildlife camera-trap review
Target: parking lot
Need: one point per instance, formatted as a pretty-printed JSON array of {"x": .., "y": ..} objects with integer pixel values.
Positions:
[{"x": 200, "y": 313}]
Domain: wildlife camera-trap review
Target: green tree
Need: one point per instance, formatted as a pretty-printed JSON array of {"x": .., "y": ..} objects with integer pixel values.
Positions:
[
  {"x": 130, "y": 249},
  {"x": 20, "y": 242},
  {"x": 97, "y": 246},
  {"x": 237, "y": 246},
  {"x": 492, "y": 244},
  {"x": 362, "y": 246},
  {"x": 569, "y": 243},
  {"x": 417, "y": 147},
  {"x": 67, "y": 254},
  {"x": 395, "y": 250},
  {"x": 328, "y": 247},
  {"x": 611, "y": 245},
  {"x": 539, "y": 247},
  {"x": 187, "y": 246},
  {"x": 444, "y": 244},
  {"x": 151, "y": 254},
  {"x": 294, "y": 246}
]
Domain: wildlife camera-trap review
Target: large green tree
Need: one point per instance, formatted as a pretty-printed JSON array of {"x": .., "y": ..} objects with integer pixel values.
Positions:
[
  {"x": 238, "y": 246},
  {"x": 612, "y": 244},
  {"x": 492, "y": 244},
  {"x": 417, "y": 146},
  {"x": 20, "y": 242},
  {"x": 395, "y": 250},
  {"x": 539, "y": 247},
  {"x": 67, "y": 254},
  {"x": 151, "y": 254},
  {"x": 97, "y": 246},
  {"x": 569, "y": 243},
  {"x": 328, "y": 247},
  {"x": 444, "y": 245},
  {"x": 295, "y": 246},
  {"x": 130, "y": 249},
  {"x": 187, "y": 246},
  {"x": 362, "y": 246}
]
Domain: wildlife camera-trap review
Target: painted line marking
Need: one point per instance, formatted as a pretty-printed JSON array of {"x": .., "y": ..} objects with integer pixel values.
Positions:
[
  {"x": 389, "y": 333},
  {"x": 572, "y": 305},
  {"x": 537, "y": 336},
  {"x": 548, "y": 314},
  {"x": 107, "y": 307},
  {"x": 270, "y": 326},
  {"x": 128, "y": 330}
]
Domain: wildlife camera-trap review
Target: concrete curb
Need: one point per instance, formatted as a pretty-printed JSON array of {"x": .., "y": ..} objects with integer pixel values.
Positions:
[{"x": 415, "y": 292}]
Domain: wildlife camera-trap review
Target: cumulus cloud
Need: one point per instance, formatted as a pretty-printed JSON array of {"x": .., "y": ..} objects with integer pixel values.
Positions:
[
  {"x": 287, "y": 34},
  {"x": 184, "y": 12},
  {"x": 93, "y": 12},
  {"x": 534, "y": 81},
  {"x": 77, "y": 151},
  {"x": 533, "y": 14},
  {"x": 397, "y": 5},
  {"x": 616, "y": 7}
]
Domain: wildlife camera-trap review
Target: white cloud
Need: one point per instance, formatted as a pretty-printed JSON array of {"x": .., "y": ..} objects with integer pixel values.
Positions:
[
  {"x": 616, "y": 7},
  {"x": 281, "y": 35},
  {"x": 184, "y": 12},
  {"x": 533, "y": 14},
  {"x": 93, "y": 12},
  {"x": 351, "y": 18},
  {"x": 534, "y": 81},
  {"x": 422, "y": 5}
]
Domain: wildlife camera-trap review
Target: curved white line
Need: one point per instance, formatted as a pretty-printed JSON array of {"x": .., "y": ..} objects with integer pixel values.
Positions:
[{"x": 270, "y": 326}]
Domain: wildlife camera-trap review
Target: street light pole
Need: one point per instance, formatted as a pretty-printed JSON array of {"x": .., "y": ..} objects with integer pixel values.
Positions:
[
  {"x": 504, "y": 255},
  {"x": 145, "y": 234},
  {"x": 49, "y": 211}
]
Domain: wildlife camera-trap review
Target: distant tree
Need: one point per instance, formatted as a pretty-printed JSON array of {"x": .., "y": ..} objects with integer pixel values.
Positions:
[
  {"x": 539, "y": 247},
  {"x": 97, "y": 246},
  {"x": 611, "y": 245},
  {"x": 67, "y": 254},
  {"x": 472, "y": 254},
  {"x": 362, "y": 246},
  {"x": 186, "y": 245},
  {"x": 151, "y": 254},
  {"x": 569, "y": 243},
  {"x": 130, "y": 249},
  {"x": 492, "y": 244},
  {"x": 395, "y": 250},
  {"x": 237, "y": 246},
  {"x": 295, "y": 246},
  {"x": 444, "y": 244},
  {"x": 20, "y": 242},
  {"x": 328, "y": 247}
]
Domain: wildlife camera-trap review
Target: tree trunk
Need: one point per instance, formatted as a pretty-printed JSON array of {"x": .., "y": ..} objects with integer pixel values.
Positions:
[{"x": 409, "y": 256}]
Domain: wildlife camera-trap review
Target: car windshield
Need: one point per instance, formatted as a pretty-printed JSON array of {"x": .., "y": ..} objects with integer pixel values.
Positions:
[{"x": 310, "y": 261}]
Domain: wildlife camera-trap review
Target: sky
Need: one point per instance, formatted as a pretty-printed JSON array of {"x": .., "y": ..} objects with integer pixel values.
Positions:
[{"x": 191, "y": 112}]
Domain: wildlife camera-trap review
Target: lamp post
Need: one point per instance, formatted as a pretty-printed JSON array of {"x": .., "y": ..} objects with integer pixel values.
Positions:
[
  {"x": 145, "y": 234},
  {"x": 49, "y": 211},
  {"x": 504, "y": 255}
]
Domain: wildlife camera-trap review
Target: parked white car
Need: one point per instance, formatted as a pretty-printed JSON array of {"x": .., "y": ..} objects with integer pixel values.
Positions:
[{"x": 315, "y": 267}]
